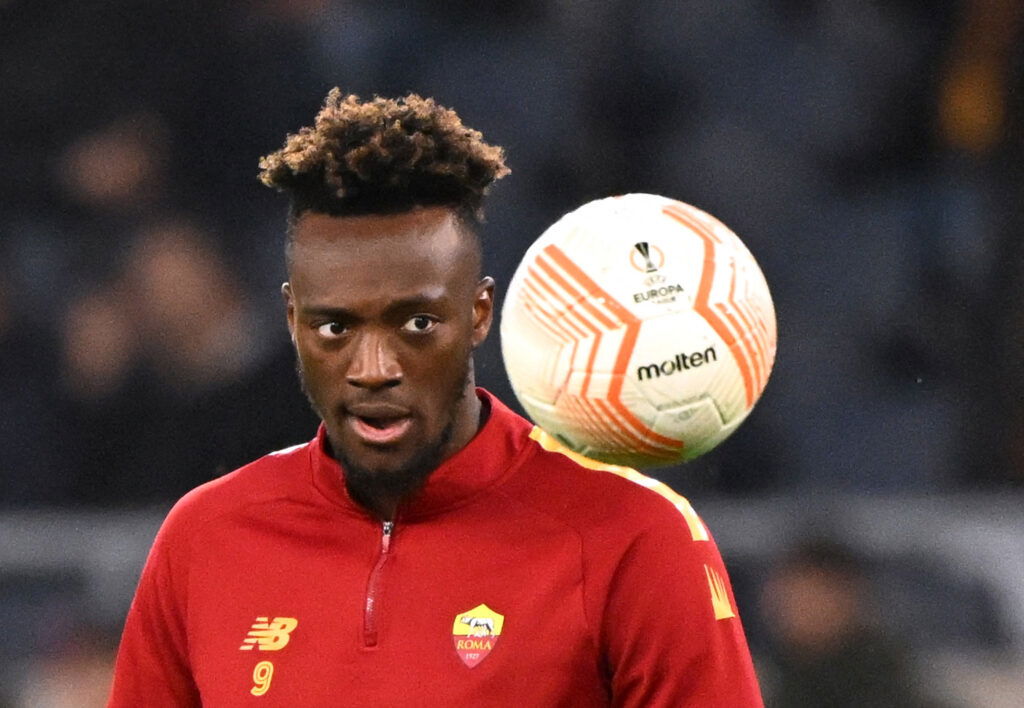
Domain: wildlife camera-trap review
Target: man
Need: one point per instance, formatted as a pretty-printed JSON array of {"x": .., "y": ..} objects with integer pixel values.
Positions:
[
  {"x": 429, "y": 547},
  {"x": 827, "y": 651}
]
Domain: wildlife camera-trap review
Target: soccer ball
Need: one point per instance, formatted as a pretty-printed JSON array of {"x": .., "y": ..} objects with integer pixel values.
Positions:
[{"x": 638, "y": 330}]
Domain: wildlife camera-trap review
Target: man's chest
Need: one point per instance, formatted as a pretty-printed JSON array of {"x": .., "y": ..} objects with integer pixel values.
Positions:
[{"x": 429, "y": 616}]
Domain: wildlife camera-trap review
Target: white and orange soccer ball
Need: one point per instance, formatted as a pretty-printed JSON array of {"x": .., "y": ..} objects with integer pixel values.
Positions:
[{"x": 638, "y": 330}]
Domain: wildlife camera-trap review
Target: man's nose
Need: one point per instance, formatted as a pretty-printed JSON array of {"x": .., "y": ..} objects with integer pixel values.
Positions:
[{"x": 374, "y": 364}]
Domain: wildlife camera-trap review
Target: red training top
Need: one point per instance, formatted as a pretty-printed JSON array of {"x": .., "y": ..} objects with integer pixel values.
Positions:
[{"x": 521, "y": 575}]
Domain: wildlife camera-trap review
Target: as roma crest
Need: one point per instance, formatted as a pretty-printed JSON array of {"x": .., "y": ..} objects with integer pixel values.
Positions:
[{"x": 475, "y": 633}]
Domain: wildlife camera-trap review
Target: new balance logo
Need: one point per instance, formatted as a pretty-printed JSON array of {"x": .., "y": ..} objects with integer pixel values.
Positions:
[
  {"x": 719, "y": 595},
  {"x": 269, "y": 635}
]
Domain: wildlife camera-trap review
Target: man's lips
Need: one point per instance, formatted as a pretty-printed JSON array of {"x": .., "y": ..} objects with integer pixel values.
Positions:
[
  {"x": 379, "y": 431},
  {"x": 378, "y": 423}
]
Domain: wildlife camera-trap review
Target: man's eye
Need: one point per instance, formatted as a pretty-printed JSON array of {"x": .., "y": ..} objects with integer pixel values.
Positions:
[
  {"x": 420, "y": 323},
  {"x": 331, "y": 330}
]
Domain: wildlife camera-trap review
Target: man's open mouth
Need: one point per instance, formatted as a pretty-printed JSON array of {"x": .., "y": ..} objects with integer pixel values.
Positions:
[{"x": 379, "y": 430}]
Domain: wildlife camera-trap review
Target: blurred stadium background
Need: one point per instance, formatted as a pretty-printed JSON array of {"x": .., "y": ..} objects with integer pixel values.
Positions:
[{"x": 868, "y": 153}]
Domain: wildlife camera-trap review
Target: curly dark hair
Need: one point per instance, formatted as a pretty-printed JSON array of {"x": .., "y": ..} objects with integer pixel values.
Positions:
[{"x": 384, "y": 156}]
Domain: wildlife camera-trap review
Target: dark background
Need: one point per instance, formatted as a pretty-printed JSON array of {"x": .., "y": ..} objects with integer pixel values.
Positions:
[{"x": 867, "y": 153}]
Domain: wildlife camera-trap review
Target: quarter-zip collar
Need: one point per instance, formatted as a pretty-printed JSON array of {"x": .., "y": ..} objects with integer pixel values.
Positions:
[{"x": 481, "y": 463}]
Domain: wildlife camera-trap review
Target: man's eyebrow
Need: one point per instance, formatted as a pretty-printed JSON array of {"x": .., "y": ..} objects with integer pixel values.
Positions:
[
  {"x": 414, "y": 301},
  {"x": 402, "y": 305},
  {"x": 326, "y": 311}
]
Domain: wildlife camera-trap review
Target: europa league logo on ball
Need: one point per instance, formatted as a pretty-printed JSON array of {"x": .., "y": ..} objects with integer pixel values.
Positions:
[{"x": 644, "y": 249}]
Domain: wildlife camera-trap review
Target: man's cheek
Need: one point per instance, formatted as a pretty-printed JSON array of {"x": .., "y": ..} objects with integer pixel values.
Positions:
[
  {"x": 316, "y": 376},
  {"x": 318, "y": 366}
]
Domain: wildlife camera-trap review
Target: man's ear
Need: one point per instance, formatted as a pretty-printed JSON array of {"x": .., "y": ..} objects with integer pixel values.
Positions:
[
  {"x": 483, "y": 310},
  {"x": 289, "y": 303}
]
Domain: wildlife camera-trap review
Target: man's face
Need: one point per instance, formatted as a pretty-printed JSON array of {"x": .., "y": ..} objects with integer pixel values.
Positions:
[{"x": 385, "y": 312}]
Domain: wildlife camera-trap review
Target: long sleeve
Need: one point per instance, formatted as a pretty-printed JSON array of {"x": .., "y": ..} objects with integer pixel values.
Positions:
[
  {"x": 152, "y": 666},
  {"x": 671, "y": 631}
]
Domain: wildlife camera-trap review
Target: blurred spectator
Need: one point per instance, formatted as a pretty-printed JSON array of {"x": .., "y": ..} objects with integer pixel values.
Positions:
[
  {"x": 76, "y": 673},
  {"x": 169, "y": 376},
  {"x": 828, "y": 649},
  {"x": 119, "y": 166},
  {"x": 978, "y": 82},
  {"x": 71, "y": 68},
  {"x": 982, "y": 129},
  {"x": 100, "y": 344},
  {"x": 192, "y": 319}
]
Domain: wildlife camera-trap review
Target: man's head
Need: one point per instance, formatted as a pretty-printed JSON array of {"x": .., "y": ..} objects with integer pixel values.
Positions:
[
  {"x": 385, "y": 300},
  {"x": 814, "y": 596}
]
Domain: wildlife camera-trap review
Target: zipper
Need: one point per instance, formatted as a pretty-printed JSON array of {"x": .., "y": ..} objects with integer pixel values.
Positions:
[{"x": 371, "y": 612}]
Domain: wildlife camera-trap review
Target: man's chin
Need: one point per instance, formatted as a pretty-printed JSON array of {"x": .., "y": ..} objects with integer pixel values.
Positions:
[
  {"x": 370, "y": 482},
  {"x": 375, "y": 466},
  {"x": 375, "y": 475}
]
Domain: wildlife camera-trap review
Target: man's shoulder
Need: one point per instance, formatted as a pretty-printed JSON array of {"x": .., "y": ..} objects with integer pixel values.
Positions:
[
  {"x": 274, "y": 476},
  {"x": 588, "y": 493}
]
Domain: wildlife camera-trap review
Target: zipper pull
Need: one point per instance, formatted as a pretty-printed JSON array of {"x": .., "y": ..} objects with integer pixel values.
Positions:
[{"x": 371, "y": 613}]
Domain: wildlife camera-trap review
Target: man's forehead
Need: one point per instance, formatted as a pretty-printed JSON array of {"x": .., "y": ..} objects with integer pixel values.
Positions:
[
  {"x": 430, "y": 223},
  {"x": 345, "y": 258}
]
